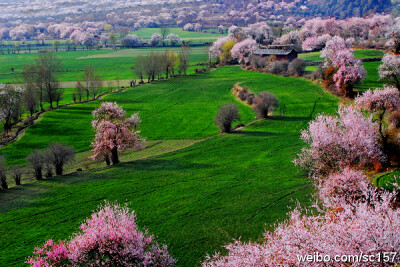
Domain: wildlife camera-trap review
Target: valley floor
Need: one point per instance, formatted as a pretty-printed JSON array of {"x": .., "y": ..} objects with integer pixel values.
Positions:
[{"x": 194, "y": 189}]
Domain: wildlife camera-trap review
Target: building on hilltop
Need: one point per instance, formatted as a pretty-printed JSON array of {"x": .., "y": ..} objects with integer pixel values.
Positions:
[{"x": 281, "y": 52}]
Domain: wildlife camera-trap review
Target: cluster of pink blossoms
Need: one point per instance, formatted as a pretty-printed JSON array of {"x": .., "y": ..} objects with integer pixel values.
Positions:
[
  {"x": 109, "y": 238},
  {"x": 244, "y": 49},
  {"x": 349, "y": 139},
  {"x": 349, "y": 70}
]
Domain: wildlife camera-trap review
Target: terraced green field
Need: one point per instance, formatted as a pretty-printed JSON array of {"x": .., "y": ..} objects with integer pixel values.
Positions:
[
  {"x": 108, "y": 64},
  {"x": 195, "y": 199}
]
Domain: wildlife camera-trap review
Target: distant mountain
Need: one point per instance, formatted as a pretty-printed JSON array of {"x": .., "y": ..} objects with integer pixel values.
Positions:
[{"x": 347, "y": 8}]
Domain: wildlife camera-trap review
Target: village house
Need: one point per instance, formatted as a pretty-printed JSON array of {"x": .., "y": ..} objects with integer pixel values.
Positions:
[{"x": 281, "y": 52}]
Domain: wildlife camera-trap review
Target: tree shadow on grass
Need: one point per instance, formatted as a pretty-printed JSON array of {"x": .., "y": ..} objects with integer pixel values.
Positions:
[
  {"x": 158, "y": 164},
  {"x": 255, "y": 133},
  {"x": 285, "y": 118}
]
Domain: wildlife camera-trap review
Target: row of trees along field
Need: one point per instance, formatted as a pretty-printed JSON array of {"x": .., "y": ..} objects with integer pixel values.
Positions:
[{"x": 40, "y": 84}]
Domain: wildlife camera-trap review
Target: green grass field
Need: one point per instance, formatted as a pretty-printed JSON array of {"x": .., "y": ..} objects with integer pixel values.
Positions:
[
  {"x": 358, "y": 53},
  {"x": 194, "y": 199},
  {"x": 372, "y": 79},
  {"x": 193, "y": 37},
  {"x": 108, "y": 64}
]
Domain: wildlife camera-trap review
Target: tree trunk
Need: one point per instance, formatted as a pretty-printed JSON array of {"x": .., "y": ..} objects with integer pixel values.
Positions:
[
  {"x": 107, "y": 159},
  {"x": 38, "y": 174},
  {"x": 59, "y": 169},
  {"x": 114, "y": 156}
]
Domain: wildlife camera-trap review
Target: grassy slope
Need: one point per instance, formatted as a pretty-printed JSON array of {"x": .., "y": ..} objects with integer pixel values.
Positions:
[
  {"x": 358, "y": 53},
  {"x": 195, "y": 199},
  {"x": 107, "y": 63},
  {"x": 372, "y": 79}
]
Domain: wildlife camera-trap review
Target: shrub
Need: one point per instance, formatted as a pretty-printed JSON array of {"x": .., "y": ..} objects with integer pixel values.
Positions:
[
  {"x": 243, "y": 94},
  {"x": 265, "y": 103},
  {"x": 297, "y": 67},
  {"x": 225, "y": 116},
  {"x": 58, "y": 155},
  {"x": 109, "y": 238},
  {"x": 258, "y": 62},
  {"x": 3, "y": 175},
  {"x": 36, "y": 161},
  {"x": 250, "y": 99},
  {"x": 279, "y": 67},
  {"x": 16, "y": 172}
]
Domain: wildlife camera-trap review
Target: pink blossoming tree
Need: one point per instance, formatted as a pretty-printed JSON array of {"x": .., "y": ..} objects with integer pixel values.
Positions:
[
  {"x": 354, "y": 228},
  {"x": 114, "y": 133},
  {"x": 243, "y": 50},
  {"x": 380, "y": 101},
  {"x": 109, "y": 238},
  {"x": 337, "y": 142},
  {"x": 349, "y": 70},
  {"x": 390, "y": 69}
]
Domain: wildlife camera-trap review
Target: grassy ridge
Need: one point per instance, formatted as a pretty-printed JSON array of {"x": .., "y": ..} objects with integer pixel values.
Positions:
[{"x": 195, "y": 199}]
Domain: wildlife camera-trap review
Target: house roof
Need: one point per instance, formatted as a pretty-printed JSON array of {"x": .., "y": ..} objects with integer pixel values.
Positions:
[{"x": 278, "y": 52}]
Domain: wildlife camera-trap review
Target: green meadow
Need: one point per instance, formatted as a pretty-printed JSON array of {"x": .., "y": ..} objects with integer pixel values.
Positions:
[
  {"x": 192, "y": 37},
  {"x": 108, "y": 63},
  {"x": 358, "y": 53},
  {"x": 194, "y": 189}
]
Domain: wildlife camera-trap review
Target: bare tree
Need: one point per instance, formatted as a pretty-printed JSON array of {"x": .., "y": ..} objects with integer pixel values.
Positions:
[
  {"x": 97, "y": 86},
  {"x": 36, "y": 161},
  {"x": 16, "y": 172},
  {"x": 10, "y": 106},
  {"x": 34, "y": 87},
  {"x": 265, "y": 103},
  {"x": 3, "y": 175},
  {"x": 184, "y": 59},
  {"x": 139, "y": 68},
  {"x": 225, "y": 116},
  {"x": 58, "y": 96},
  {"x": 58, "y": 155},
  {"x": 46, "y": 66},
  {"x": 88, "y": 77},
  {"x": 164, "y": 31},
  {"x": 29, "y": 98},
  {"x": 79, "y": 90}
]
